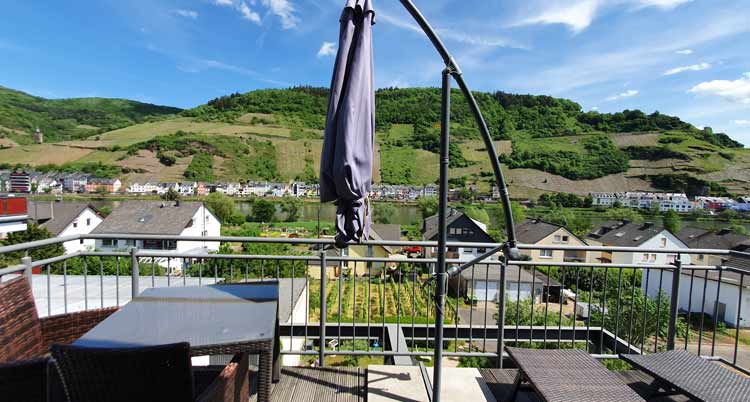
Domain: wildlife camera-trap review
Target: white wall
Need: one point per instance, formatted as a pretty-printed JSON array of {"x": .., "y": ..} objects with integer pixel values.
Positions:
[
  {"x": 672, "y": 243},
  {"x": 83, "y": 224},
  {"x": 204, "y": 224},
  {"x": 10, "y": 227},
  {"x": 728, "y": 294}
]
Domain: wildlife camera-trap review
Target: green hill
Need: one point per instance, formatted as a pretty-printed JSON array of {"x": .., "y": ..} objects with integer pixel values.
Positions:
[
  {"x": 546, "y": 144},
  {"x": 65, "y": 119}
]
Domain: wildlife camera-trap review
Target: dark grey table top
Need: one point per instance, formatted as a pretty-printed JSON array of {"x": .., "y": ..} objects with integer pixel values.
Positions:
[{"x": 203, "y": 316}]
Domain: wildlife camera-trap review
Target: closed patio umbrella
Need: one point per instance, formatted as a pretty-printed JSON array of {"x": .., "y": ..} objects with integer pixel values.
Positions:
[{"x": 346, "y": 162}]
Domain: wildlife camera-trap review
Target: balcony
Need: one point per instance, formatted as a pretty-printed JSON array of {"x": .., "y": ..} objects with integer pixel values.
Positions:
[{"x": 340, "y": 333}]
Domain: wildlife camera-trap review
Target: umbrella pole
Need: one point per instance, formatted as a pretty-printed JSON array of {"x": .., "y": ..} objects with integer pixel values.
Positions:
[
  {"x": 510, "y": 247},
  {"x": 441, "y": 277}
]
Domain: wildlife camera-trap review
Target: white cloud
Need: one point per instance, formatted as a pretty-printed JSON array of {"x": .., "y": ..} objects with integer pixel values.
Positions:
[
  {"x": 327, "y": 49},
  {"x": 594, "y": 108},
  {"x": 224, "y": 2},
  {"x": 685, "y": 51},
  {"x": 284, "y": 10},
  {"x": 692, "y": 67},
  {"x": 248, "y": 14},
  {"x": 449, "y": 34},
  {"x": 662, "y": 4},
  {"x": 742, "y": 122},
  {"x": 187, "y": 13},
  {"x": 627, "y": 94},
  {"x": 737, "y": 91},
  {"x": 577, "y": 15}
]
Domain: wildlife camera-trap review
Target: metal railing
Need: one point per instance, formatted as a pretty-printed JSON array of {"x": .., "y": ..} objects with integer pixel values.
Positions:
[{"x": 353, "y": 306}]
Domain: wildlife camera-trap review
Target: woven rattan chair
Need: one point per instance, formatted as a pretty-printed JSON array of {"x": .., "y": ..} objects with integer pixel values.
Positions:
[
  {"x": 24, "y": 336},
  {"x": 146, "y": 374}
]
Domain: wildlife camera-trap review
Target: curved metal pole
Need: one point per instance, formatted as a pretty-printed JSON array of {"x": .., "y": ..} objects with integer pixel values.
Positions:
[{"x": 451, "y": 64}]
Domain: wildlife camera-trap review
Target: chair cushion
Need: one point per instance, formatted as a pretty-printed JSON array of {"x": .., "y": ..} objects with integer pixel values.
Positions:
[
  {"x": 144, "y": 374},
  {"x": 20, "y": 330}
]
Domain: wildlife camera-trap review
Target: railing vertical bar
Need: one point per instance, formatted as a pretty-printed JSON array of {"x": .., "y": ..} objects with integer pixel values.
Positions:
[
  {"x": 533, "y": 303},
  {"x": 398, "y": 307},
  {"x": 518, "y": 303},
  {"x": 562, "y": 300},
  {"x": 262, "y": 270},
  {"x": 739, "y": 319},
  {"x": 85, "y": 284},
  {"x": 117, "y": 281},
  {"x": 369, "y": 297},
  {"x": 200, "y": 271},
  {"x": 291, "y": 308},
  {"x": 645, "y": 310},
  {"x": 486, "y": 300},
  {"x": 323, "y": 310},
  {"x": 658, "y": 310},
  {"x": 546, "y": 307},
  {"x": 153, "y": 272},
  {"x": 716, "y": 309},
  {"x": 703, "y": 313},
  {"x": 575, "y": 308},
  {"x": 413, "y": 300},
  {"x": 65, "y": 286},
  {"x": 101, "y": 283},
  {"x": 307, "y": 296},
  {"x": 169, "y": 272},
  {"x": 501, "y": 310},
  {"x": 590, "y": 309},
  {"x": 49, "y": 289},
  {"x": 632, "y": 308},
  {"x": 354, "y": 304},
  {"x": 384, "y": 285},
  {"x": 690, "y": 308},
  {"x": 341, "y": 301},
  {"x": 604, "y": 310},
  {"x": 455, "y": 315},
  {"x": 617, "y": 309},
  {"x": 674, "y": 303},
  {"x": 247, "y": 269}
]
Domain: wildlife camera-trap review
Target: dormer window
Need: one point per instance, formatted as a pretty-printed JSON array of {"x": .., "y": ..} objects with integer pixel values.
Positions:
[{"x": 663, "y": 242}]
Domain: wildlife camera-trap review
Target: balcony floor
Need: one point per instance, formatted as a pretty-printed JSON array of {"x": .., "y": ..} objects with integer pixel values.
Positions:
[
  {"x": 500, "y": 382},
  {"x": 330, "y": 384}
]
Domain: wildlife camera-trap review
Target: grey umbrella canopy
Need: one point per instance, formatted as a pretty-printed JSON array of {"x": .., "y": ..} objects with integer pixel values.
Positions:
[{"x": 346, "y": 162}]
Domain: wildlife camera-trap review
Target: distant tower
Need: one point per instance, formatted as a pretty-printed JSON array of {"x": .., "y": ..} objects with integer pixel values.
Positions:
[{"x": 38, "y": 136}]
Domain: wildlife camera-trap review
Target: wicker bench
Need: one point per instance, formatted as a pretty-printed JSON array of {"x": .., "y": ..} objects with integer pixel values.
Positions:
[
  {"x": 693, "y": 376},
  {"x": 568, "y": 376}
]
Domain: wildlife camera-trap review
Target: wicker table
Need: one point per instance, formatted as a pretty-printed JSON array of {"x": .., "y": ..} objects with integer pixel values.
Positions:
[
  {"x": 693, "y": 376},
  {"x": 569, "y": 375},
  {"x": 215, "y": 320}
]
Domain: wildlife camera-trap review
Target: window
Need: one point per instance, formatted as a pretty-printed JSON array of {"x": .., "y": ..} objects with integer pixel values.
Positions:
[
  {"x": 88, "y": 221},
  {"x": 75, "y": 224},
  {"x": 129, "y": 243},
  {"x": 108, "y": 243},
  {"x": 545, "y": 253},
  {"x": 652, "y": 258},
  {"x": 671, "y": 258},
  {"x": 558, "y": 239},
  {"x": 468, "y": 250},
  {"x": 644, "y": 258},
  {"x": 481, "y": 250},
  {"x": 80, "y": 241},
  {"x": 663, "y": 242},
  {"x": 701, "y": 257}
]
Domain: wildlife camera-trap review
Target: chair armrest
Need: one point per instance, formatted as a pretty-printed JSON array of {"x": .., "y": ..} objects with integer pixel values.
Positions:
[
  {"x": 231, "y": 385},
  {"x": 66, "y": 328}
]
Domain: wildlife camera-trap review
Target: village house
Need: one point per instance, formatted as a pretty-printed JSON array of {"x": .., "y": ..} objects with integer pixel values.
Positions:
[
  {"x": 723, "y": 239},
  {"x": 461, "y": 228},
  {"x": 186, "y": 189},
  {"x": 678, "y": 202},
  {"x": 646, "y": 235},
  {"x": 74, "y": 182},
  {"x": 482, "y": 283},
  {"x": 13, "y": 214},
  {"x": 66, "y": 219},
  {"x": 161, "y": 218},
  {"x": 541, "y": 233},
  {"x": 20, "y": 182},
  {"x": 110, "y": 186}
]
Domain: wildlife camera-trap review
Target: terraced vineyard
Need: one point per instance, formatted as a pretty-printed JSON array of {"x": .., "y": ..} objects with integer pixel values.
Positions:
[{"x": 383, "y": 297}]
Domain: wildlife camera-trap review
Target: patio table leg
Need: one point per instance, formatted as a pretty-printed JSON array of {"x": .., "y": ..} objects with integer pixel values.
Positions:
[
  {"x": 277, "y": 355},
  {"x": 516, "y": 385},
  {"x": 265, "y": 362}
]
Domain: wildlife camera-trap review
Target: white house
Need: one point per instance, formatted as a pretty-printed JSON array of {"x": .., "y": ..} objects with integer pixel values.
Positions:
[
  {"x": 66, "y": 219},
  {"x": 461, "y": 228},
  {"x": 645, "y": 235},
  {"x": 161, "y": 218}
]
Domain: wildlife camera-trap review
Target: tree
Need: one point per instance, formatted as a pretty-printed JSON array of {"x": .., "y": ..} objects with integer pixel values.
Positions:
[
  {"x": 171, "y": 195},
  {"x": 672, "y": 221},
  {"x": 291, "y": 206},
  {"x": 221, "y": 205},
  {"x": 263, "y": 210},
  {"x": 32, "y": 233},
  {"x": 477, "y": 214},
  {"x": 428, "y": 206},
  {"x": 385, "y": 213}
]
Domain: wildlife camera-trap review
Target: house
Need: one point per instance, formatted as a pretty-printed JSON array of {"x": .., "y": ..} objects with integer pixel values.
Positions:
[
  {"x": 75, "y": 182},
  {"x": 538, "y": 232},
  {"x": 460, "y": 228},
  {"x": 646, "y": 235},
  {"x": 724, "y": 239},
  {"x": 47, "y": 183},
  {"x": 13, "y": 214},
  {"x": 377, "y": 232},
  {"x": 481, "y": 283},
  {"x": 161, "y": 218},
  {"x": 186, "y": 189},
  {"x": 20, "y": 182},
  {"x": 96, "y": 184},
  {"x": 66, "y": 219}
]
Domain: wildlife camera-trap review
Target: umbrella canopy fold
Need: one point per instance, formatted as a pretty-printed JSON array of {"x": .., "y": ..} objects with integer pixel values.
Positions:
[{"x": 347, "y": 158}]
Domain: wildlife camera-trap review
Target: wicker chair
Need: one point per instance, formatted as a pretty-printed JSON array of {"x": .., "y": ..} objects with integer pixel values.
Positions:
[
  {"x": 147, "y": 374},
  {"x": 25, "y": 340},
  {"x": 24, "y": 336}
]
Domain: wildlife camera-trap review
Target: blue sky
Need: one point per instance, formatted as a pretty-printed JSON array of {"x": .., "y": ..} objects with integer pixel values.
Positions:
[{"x": 689, "y": 58}]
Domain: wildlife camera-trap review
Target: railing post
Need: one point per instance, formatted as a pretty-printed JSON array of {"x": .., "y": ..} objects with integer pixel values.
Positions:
[
  {"x": 135, "y": 272},
  {"x": 674, "y": 303},
  {"x": 26, "y": 261},
  {"x": 501, "y": 308},
  {"x": 323, "y": 309}
]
